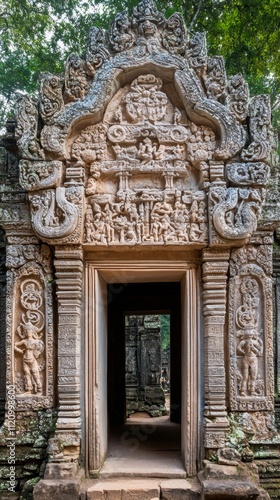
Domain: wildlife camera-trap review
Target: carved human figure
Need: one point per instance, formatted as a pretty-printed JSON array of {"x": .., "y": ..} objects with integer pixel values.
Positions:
[
  {"x": 30, "y": 347},
  {"x": 250, "y": 348}
]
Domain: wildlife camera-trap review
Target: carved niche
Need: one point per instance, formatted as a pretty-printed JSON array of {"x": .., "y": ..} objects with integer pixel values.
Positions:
[
  {"x": 142, "y": 185},
  {"x": 30, "y": 325},
  {"x": 250, "y": 329}
]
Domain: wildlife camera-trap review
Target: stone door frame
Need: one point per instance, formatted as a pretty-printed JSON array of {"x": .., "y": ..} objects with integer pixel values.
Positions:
[{"x": 97, "y": 275}]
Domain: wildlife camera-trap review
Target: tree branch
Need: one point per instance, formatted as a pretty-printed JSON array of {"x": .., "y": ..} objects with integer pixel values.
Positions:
[{"x": 199, "y": 7}]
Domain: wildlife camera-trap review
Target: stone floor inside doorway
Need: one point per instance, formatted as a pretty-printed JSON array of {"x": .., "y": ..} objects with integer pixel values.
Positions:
[{"x": 144, "y": 447}]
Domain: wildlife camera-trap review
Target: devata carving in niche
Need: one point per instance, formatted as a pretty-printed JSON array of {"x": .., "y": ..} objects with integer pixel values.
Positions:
[
  {"x": 31, "y": 347},
  {"x": 250, "y": 346}
]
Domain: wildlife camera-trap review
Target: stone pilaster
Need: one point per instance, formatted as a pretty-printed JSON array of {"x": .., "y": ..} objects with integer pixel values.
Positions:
[
  {"x": 215, "y": 268},
  {"x": 69, "y": 272},
  {"x": 276, "y": 273}
]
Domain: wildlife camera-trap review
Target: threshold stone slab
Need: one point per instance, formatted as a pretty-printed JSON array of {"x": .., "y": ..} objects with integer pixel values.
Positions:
[{"x": 124, "y": 490}]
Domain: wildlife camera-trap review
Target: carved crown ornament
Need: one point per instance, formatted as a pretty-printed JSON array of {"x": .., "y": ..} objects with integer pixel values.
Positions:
[{"x": 145, "y": 141}]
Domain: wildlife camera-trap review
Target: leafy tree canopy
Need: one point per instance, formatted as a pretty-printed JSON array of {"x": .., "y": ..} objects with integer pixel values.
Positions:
[{"x": 37, "y": 36}]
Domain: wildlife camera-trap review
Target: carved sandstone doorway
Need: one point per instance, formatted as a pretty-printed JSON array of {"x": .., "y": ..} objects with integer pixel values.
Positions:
[{"x": 181, "y": 276}]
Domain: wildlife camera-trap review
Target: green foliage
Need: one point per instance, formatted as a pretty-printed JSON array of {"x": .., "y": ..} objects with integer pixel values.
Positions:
[
  {"x": 165, "y": 330},
  {"x": 37, "y": 36}
]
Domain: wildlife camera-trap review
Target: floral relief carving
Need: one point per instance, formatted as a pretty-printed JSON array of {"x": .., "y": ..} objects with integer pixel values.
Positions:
[
  {"x": 174, "y": 35},
  {"x": 238, "y": 97}
]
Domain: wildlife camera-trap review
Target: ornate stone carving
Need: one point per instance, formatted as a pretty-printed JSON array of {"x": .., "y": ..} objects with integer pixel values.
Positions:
[
  {"x": 51, "y": 100},
  {"x": 248, "y": 174},
  {"x": 26, "y": 111},
  {"x": 235, "y": 211},
  {"x": 29, "y": 327},
  {"x": 55, "y": 213},
  {"x": 120, "y": 36},
  {"x": 77, "y": 79},
  {"x": 197, "y": 51},
  {"x": 141, "y": 187},
  {"x": 250, "y": 324},
  {"x": 260, "y": 130},
  {"x": 40, "y": 175},
  {"x": 238, "y": 97},
  {"x": 96, "y": 52},
  {"x": 215, "y": 79},
  {"x": 174, "y": 35}
]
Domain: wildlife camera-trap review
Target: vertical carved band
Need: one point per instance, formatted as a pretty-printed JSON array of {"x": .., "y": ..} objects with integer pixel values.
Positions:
[
  {"x": 69, "y": 272},
  {"x": 30, "y": 326},
  {"x": 250, "y": 329},
  {"x": 215, "y": 269}
]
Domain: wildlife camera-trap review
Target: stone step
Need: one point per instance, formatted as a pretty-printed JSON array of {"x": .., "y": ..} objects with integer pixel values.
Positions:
[{"x": 140, "y": 489}]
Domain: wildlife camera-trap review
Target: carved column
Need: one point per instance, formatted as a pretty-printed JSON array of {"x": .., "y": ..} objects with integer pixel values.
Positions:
[
  {"x": 276, "y": 271},
  {"x": 215, "y": 269},
  {"x": 69, "y": 273}
]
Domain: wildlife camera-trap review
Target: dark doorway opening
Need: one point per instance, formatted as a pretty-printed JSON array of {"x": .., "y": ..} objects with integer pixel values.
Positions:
[
  {"x": 126, "y": 300},
  {"x": 141, "y": 442}
]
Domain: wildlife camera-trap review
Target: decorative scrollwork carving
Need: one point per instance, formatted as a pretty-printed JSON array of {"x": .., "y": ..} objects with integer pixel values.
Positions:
[
  {"x": 51, "y": 100},
  {"x": 238, "y": 97},
  {"x": 40, "y": 175},
  {"x": 248, "y": 174},
  {"x": 26, "y": 111},
  {"x": 260, "y": 130},
  {"x": 96, "y": 52},
  {"x": 215, "y": 79},
  {"x": 77, "y": 80},
  {"x": 55, "y": 212},
  {"x": 197, "y": 51},
  {"x": 174, "y": 35},
  {"x": 120, "y": 36},
  {"x": 236, "y": 213}
]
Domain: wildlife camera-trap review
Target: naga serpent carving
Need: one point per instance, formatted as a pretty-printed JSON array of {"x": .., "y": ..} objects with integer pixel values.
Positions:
[
  {"x": 232, "y": 221},
  {"x": 53, "y": 216}
]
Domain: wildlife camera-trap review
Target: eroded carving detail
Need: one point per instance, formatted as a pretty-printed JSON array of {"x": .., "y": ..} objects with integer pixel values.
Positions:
[
  {"x": 238, "y": 97},
  {"x": 260, "y": 130},
  {"x": 96, "y": 52},
  {"x": 51, "y": 100},
  {"x": 77, "y": 79},
  {"x": 248, "y": 174},
  {"x": 26, "y": 111},
  {"x": 197, "y": 51},
  {"x": 40, "y": 175},
  {"x": 120, "y": 36},
  {"x": 215, "y": 80},
  {"x": 174, "y": 35}
]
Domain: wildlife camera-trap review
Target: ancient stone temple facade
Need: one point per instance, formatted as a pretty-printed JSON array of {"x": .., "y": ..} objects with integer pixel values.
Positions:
[{"x": 144, "y": 164}]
